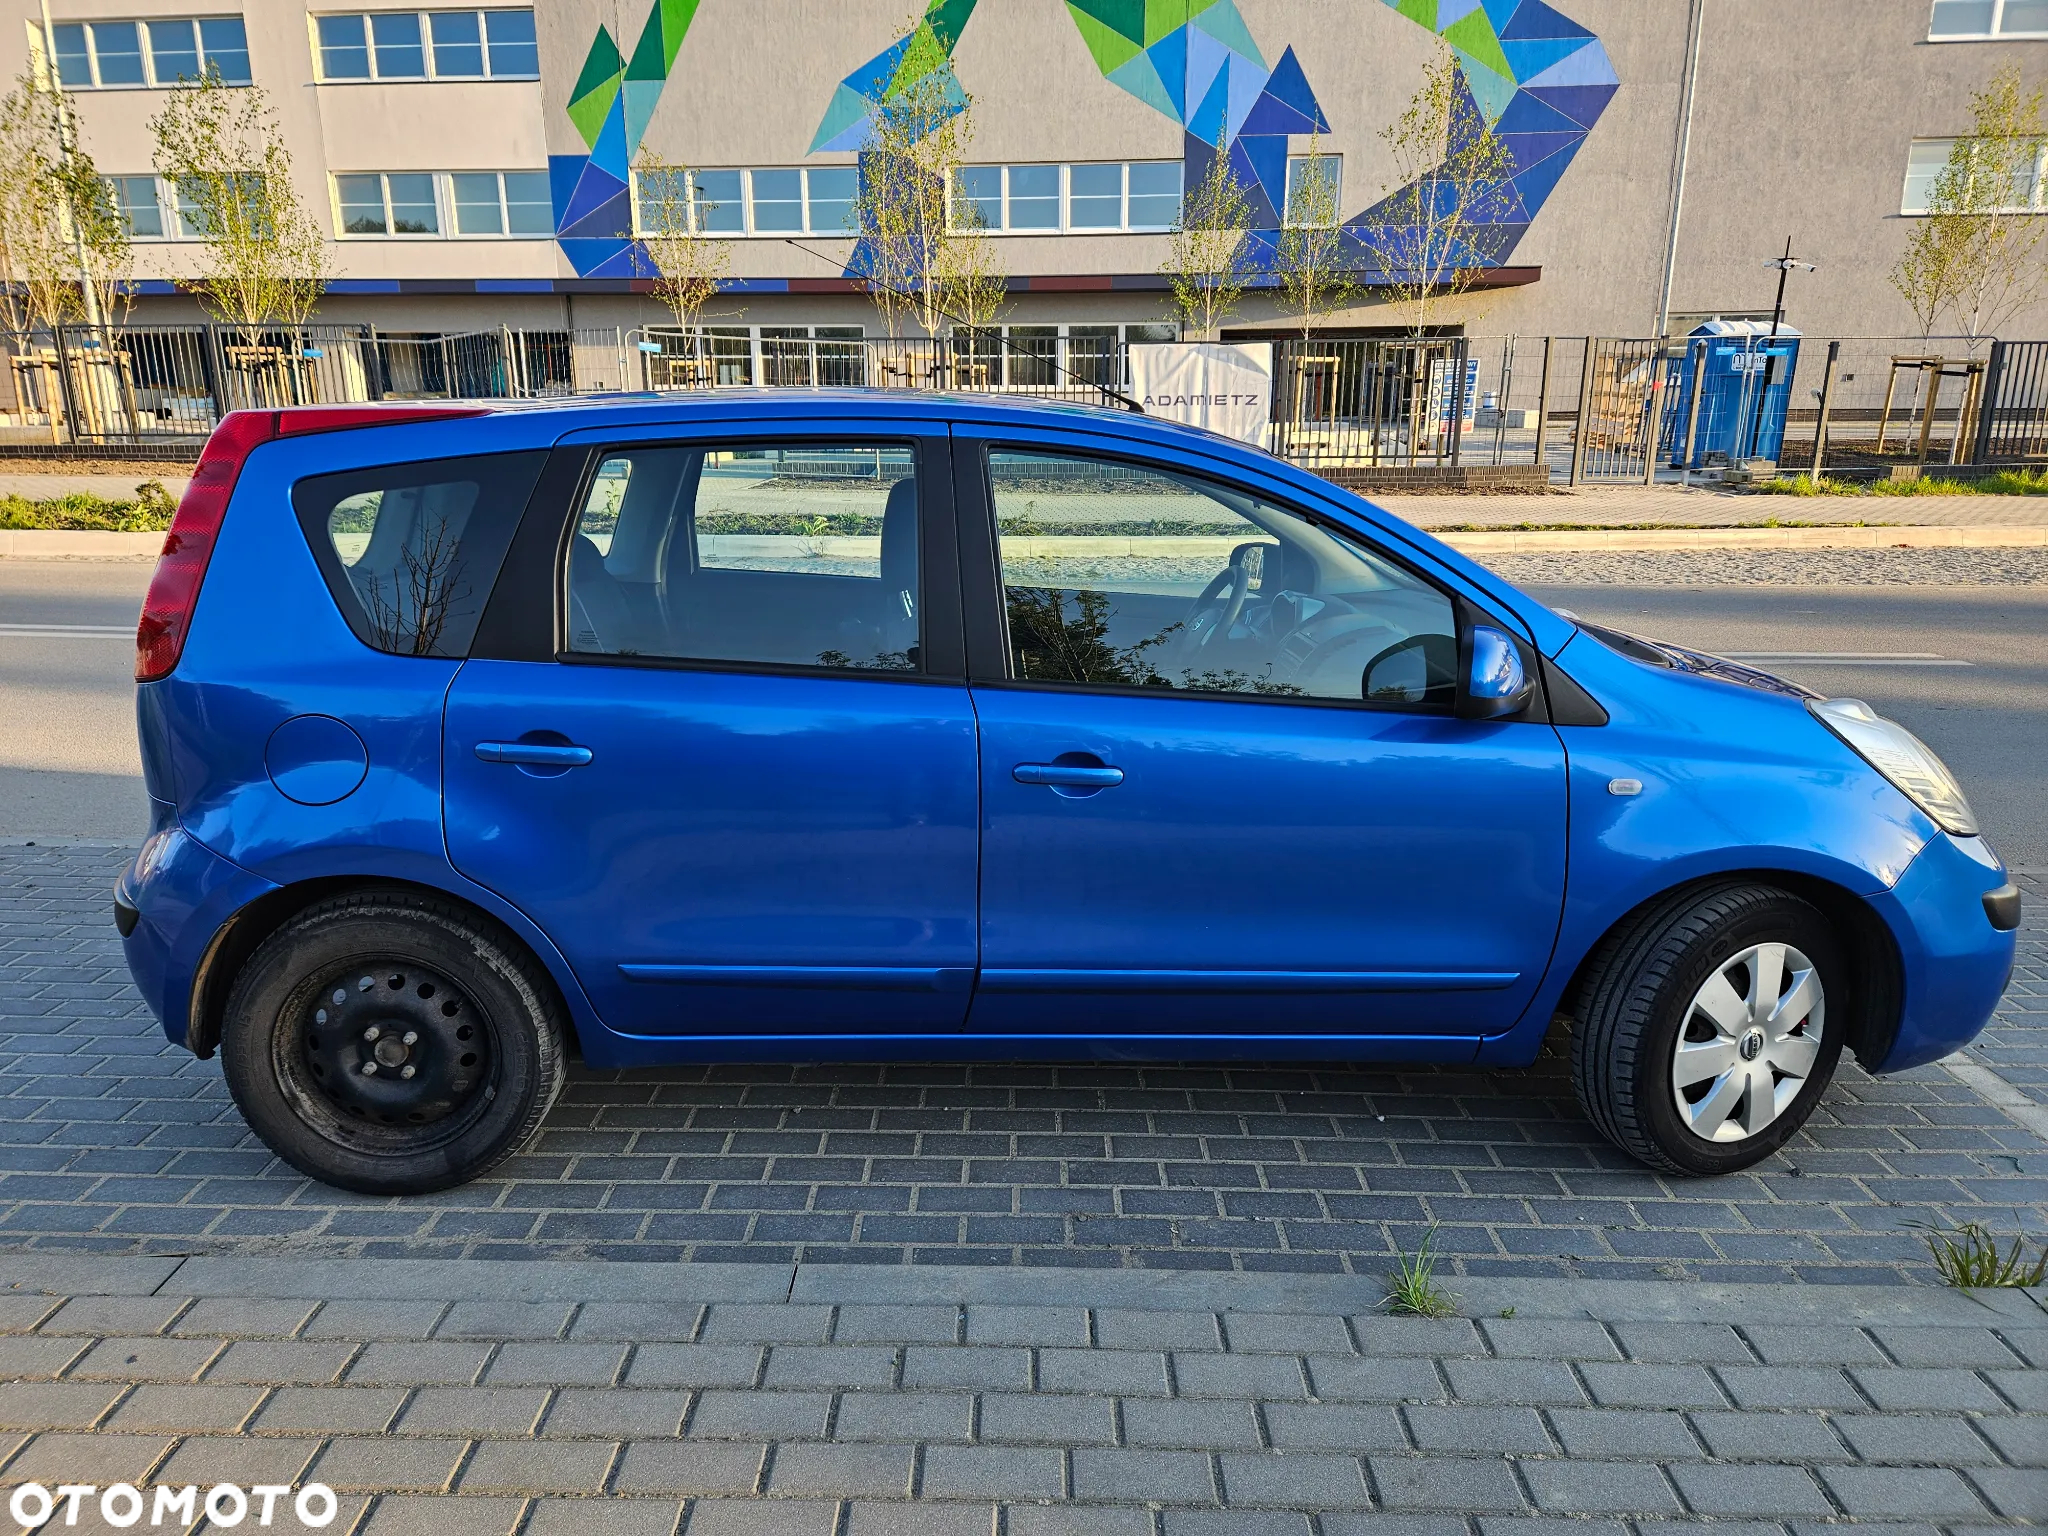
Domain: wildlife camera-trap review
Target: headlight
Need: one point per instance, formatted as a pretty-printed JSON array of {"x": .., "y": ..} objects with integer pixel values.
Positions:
[{"x": 1902, "y": 758}]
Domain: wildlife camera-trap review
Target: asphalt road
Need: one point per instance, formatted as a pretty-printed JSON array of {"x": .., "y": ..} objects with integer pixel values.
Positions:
[
  {"x": 1976, "y": 690},
  {"x": 1988, "y": 719}
]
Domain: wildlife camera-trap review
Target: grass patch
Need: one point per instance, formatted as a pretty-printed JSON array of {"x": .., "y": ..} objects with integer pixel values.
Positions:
[
  {"x": 149, "y": 512},
  {"x": 1412, "y": 1290},
  {"x": 1968, "y": 1257},
  {"x": 2007, "y": 482}
]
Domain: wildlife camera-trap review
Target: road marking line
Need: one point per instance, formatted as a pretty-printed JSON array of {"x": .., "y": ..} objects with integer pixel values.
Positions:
[
  {"x": 1851, "y": 658},
  {"x": 69, "y": 631}
]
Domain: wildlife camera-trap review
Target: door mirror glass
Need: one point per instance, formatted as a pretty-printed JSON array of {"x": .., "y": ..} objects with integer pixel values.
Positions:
[{"x": 1496, "y": 681}]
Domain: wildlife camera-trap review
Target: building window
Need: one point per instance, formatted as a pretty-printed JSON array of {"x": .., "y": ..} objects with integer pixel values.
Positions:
[
  {"x": 111, "y": 55},
  {"x": 135, "y": 199},
  {"x": 1966, "y": 19},
  {"x": 1928, "y": 158},
  {"x": 1315, "y": 189},
  {"x": 765, "y": 200},
  {"x": 477, "y": 204},
  {"x": 427, "y": 45},
  {"x": 514, "y": 203},
  {"x": 1110, "y": 197}
]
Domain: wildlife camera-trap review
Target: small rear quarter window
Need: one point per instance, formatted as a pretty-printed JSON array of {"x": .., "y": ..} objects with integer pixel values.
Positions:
[{"x": 410, "y": 551}]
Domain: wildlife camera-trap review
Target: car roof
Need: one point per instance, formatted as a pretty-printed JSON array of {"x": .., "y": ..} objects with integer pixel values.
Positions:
[{"x": 904, "y": 404}]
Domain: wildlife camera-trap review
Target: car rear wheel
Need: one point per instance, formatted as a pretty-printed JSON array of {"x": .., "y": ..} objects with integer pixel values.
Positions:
[
  {"x": 1704, "y": 1040},
  {"x": 392, "y": 1043}
]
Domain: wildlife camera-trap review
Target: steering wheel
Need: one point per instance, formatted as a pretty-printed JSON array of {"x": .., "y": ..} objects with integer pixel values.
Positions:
[{"x": 1226, "y": 593}]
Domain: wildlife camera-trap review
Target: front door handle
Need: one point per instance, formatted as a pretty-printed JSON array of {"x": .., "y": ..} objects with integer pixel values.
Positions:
[
  {"x": 541, "y": 754},
  {"x": 1068, "y": 775}
]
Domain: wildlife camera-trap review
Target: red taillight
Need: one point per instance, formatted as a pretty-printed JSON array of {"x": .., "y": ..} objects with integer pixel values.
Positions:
[{"x": 174, "y": 589}]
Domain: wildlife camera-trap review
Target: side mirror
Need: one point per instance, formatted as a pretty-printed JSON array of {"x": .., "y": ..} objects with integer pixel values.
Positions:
[{"x": 1496, "y": 683}]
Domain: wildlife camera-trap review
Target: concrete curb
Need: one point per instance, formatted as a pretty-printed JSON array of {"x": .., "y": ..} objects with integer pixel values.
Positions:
[
  {"x": 943, "y": 1285},
  {"x": 53, "y": 544},
  {"x": 1968, "y": 536}
]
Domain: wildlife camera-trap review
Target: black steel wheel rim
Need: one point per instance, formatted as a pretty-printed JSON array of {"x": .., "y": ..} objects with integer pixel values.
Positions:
[{"x": 387, "y": 1051}]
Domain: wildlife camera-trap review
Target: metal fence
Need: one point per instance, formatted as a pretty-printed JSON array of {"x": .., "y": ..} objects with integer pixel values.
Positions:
[{"x": 1587, "y": 409}]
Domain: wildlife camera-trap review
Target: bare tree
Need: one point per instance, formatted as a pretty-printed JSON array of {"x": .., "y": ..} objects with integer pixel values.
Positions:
[
  {"x": 1204, "y": 263},
  {"x": 908, "y": 169},
  {"x": 1431, "y": 234},
  {"x": 63, "y": 243},
  {"x": 689, "y": 263},
  {"x": 1315, "y": 277},
  {"x": 265, "y": 259},
  {"x": 1977, "y": 252}
]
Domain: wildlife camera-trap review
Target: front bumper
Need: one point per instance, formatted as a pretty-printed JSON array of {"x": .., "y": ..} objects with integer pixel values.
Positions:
[
  {"x": 169, "y": 906},
  {"x": 1954, "y": 962}
]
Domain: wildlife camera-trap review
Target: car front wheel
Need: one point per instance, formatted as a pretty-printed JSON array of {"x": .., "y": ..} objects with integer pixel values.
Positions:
[
  {"x": 1704, "y": 1038},
  {"x": 392, "y": 1043}
]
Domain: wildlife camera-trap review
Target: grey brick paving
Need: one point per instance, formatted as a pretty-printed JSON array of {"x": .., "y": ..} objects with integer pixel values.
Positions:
[
  {"x": 805, "y": 1428},
  {"x": 112, "y": 1141}
]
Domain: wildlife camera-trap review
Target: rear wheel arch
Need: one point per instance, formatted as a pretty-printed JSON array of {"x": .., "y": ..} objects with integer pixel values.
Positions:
[
  {"x": 1875, "y": 969},
  {"x": 243, "y": 934}
]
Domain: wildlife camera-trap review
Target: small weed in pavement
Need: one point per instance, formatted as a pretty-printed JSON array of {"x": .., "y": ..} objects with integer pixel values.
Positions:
[
  {"x": 1413, "y": 1291},
  {"x": 1968, "y": 1257}
]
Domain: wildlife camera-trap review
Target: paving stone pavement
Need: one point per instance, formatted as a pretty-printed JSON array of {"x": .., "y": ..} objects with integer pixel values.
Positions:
[
  {"x": 715, "y": 1399},
  {"x": 112, "y": 1141},
  {"x": 1699, "y": 507}
]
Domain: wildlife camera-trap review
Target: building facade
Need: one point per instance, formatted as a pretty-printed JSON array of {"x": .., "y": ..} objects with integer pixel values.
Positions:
[{"x": 475, "y": 167}]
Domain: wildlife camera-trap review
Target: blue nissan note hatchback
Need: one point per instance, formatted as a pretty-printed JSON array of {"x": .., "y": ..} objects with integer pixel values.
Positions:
[{"x": 810, "y": 725}]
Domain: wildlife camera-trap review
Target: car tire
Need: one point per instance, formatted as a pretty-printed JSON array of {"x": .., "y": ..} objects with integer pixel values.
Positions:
[
  {"x": 1696, "y": 974},
  {"x": 392, "y": 1043}
]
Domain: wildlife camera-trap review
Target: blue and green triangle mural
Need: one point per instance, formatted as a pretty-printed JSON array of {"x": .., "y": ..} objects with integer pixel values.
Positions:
[
  {"x": 610, "y": 104},
  {"x": 1538, "y": 78}
]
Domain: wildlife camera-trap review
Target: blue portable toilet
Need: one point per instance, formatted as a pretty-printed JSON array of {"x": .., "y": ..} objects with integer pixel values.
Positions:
[{"x": 1745, "y": 389}]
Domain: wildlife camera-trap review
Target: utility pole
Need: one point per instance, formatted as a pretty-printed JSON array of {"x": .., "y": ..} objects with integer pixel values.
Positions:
[
  {"x": 67, "y": 144},
  {"x": 1785, "y": 265}
]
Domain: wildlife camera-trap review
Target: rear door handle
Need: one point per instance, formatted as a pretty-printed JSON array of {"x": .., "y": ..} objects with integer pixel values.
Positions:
[
  {"x": 1067, "y": 775},
  {"x": 539, "y": 753}
]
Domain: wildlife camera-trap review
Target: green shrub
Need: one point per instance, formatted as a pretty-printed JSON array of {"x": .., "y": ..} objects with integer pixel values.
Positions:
[
  {"x": 149, "y": 512},
  {"x": 2007, "y": 482}
]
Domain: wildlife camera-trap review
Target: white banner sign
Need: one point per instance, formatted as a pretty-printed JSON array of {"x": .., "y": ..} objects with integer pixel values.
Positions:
[{"x": 1226, "y": 387}]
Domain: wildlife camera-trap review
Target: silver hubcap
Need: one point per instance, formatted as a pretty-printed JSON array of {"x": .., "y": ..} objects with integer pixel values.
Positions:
[{"x": 1748, "y": 1042}]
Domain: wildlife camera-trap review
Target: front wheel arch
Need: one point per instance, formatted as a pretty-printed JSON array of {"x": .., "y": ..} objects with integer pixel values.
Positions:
[
  {"x": 1875, "y": 970},
  {"x": 243, "y": 934}
]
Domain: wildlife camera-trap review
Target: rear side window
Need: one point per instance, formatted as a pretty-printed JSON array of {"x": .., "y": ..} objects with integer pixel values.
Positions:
[
  {"x": 410, "y": 551},
  {"x": 798, "y": 555}
]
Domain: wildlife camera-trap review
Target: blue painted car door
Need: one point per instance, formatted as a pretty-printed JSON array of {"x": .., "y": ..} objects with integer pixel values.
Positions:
[
  {"x": 738, "y": 790},
  {"x": 1222, "y": 786}
]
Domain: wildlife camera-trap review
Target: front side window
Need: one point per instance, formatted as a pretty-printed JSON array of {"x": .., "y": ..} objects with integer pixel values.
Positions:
[
  {"x": 410, "y": 551},
  {"x": 1119, "y": 576},
  {"x": 802, "y": 555}
]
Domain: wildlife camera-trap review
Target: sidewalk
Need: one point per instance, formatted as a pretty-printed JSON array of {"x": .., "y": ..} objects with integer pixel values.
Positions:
[
  {"x": 1673, "y": 506},
  {"x": 640, "y": 1398}
]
